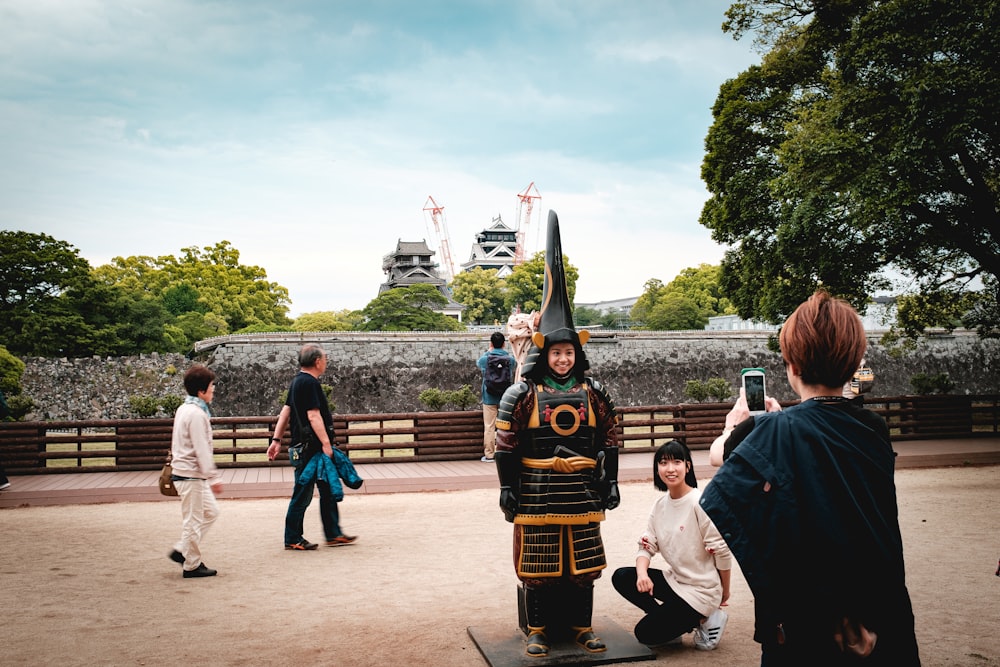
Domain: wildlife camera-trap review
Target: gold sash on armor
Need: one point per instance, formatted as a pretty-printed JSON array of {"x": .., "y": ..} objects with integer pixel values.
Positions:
[{"x": 560, "y": 464}]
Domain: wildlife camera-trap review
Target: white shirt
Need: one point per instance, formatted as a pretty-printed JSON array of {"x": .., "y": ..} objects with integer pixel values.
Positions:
[{"x": 681, "y": 532}]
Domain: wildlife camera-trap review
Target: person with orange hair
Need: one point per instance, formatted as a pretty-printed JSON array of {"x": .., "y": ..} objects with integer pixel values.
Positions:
[{"x": 807, "y": 504}]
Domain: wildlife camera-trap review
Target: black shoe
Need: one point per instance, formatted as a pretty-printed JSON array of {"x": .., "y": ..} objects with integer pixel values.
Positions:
[
  {"x": 176, "y": 556},
  {"x": 301, "y": 545},
  {"x": 200, "y": 571}
]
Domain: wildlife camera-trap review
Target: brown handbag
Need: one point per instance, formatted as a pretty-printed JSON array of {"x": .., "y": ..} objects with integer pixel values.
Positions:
[{"x": 167, "y": 487}]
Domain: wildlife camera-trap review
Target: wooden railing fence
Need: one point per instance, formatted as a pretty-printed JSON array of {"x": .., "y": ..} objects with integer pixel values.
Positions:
[{"x": 240, "y": 442}]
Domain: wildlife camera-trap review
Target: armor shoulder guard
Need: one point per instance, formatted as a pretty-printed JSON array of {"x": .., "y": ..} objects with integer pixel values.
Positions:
[
  {"x": 510, "y": 399},
  {"x": 599, "y": 389}
]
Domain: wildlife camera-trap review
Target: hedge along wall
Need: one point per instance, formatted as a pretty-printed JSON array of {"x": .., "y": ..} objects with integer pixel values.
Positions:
[{"x": 384, "y": 372}]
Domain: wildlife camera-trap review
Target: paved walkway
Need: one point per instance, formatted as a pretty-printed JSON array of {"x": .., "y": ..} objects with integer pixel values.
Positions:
[{"x": 276, "y": 482}]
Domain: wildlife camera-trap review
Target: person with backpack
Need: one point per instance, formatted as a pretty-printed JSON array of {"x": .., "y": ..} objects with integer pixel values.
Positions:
[{"x": 497, "y": 366}]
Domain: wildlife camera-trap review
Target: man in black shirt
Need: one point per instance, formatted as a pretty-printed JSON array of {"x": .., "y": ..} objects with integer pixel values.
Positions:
[{"x": 308, "y": 411}]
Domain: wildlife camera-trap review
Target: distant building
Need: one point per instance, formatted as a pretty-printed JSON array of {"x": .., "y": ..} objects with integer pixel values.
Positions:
[
  {"x": 412, "y": 263},
  {"x": 622, "y": 308},
  {"x": 494, "y": 248},
  {"x": 879, "y": 315},
  {"x": 736, "y": 323},
  {"x": 614, "y": 306}
]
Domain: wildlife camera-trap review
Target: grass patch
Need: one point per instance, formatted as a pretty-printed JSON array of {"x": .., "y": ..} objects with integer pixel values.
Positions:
[
  {"x": 67, "y": 454},
  {"x": 653, "y": 436}
]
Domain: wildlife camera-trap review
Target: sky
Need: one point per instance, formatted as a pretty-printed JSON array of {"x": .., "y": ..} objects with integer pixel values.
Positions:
[{"x": 312, "y": 134}]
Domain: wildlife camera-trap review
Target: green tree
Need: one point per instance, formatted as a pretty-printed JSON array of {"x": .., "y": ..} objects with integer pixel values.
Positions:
[
  {"x": 181, "y": 299},
  {"x": 11, "y": 371},
  {"x": 463, "y": 398},
  {"x": 643, "y": 306},
  {"x": 328, "y": 320},
  {"x": 53, "y": 304},
  {"x": 687, "y": 302},
  {"x": 434, "y": 398},
  {"x": 719, "y": 388},
  {"x": 701, "y": 286},
  {"x": 36, "y": 272},
  {"x": 696, "y": 390},
  {"x": 206, "y": 280},
  {"x": 524, "y": 284},
  {"x": 675, "y": 312},
  {"x": 586, "y": 316},
  {"x": 408, "y": 309},
  {"x": 197, "y": 326},
  {"x": 482, "y": 294},
  {"x": 240, "y": 293},
  {"x": 863, "y": 146}
]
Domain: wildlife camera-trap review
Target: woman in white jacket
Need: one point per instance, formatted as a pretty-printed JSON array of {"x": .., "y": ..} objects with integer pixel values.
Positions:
[{"x": 196, "y": 477}]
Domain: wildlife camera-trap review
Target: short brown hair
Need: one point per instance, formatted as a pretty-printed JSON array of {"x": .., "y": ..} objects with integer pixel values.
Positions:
[
  {"x": 197, "y": 378},
  {"x": 824, "y": 339}
]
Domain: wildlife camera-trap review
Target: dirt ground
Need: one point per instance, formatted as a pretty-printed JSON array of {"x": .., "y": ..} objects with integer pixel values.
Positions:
[{"x": 92, "y": 585}]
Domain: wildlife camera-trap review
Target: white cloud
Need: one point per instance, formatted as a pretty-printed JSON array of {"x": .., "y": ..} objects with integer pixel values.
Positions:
[{"x": 309, "y": 135}]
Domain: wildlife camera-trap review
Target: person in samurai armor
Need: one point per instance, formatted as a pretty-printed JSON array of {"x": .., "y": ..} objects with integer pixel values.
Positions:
[{"x": 557, "y": 459}]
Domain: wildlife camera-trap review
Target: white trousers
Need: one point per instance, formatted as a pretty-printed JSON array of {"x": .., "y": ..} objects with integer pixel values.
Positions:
[{"x": 199, "y": 510}]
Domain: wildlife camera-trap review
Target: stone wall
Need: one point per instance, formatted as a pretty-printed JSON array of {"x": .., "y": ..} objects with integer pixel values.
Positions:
[{"x": 372, "y": 373}]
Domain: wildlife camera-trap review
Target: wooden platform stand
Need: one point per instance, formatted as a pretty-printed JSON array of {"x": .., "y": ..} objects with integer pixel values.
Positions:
[{"x": 506, "y": 647}]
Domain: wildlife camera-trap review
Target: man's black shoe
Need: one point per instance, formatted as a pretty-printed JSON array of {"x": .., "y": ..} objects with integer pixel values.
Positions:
[
  {"x": 200, "y": 571},
  {"x": 176, "y": 556},
  {"x": 301, "y": 545}
]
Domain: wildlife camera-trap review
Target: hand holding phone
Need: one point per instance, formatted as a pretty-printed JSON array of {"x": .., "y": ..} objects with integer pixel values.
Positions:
[{"x": 753, "y": 389}]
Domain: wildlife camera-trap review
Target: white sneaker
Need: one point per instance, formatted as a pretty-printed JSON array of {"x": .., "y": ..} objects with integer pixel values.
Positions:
[{"x": 708, "y": 634}]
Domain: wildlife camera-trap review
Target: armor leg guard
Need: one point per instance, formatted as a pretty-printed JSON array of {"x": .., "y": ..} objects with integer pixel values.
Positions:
[
  {"x": 585, "y": 636},
  {"x": 536, "y": 611}
]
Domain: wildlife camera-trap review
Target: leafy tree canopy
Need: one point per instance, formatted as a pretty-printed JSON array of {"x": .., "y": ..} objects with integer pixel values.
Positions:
[
  {"x": 53, "y": 304},
  {"x": 588, "y": 316},
  {"x": 685, "y": 303},
  {"x": 482, "y": 294},
  {"x": 49, "y": 304},
  {"x": 11, "y": 370},
  {"x": 343, "y": 320},
  {"x": 862, "y": 148},
  {"x": 409, "y": 309},
  {"x": 524, "y": 285},
  {"x": 207, "y": 280}
]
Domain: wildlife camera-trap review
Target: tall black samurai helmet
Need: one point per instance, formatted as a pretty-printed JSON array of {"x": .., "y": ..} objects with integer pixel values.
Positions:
[{"x": 556, "y": 325}]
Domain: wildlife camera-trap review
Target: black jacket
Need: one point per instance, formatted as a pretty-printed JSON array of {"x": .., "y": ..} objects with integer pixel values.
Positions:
[{"x": 807, "y": 503}]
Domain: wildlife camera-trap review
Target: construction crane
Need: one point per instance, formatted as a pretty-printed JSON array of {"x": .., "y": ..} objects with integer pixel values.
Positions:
[
  {"x": 526, "y": 202},
  {"x": 439, "y": 235}
]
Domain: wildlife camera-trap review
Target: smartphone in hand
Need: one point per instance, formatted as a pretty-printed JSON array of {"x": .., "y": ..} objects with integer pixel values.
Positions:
[{"x": 753, "y": 386}]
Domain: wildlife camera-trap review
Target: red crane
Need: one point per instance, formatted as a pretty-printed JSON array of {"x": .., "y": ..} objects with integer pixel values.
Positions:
[
  {"x": 526, "y": 202},
  {"x": 440, "y": 236}
]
